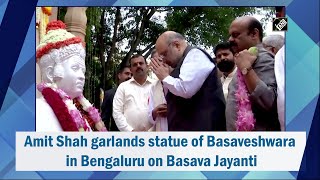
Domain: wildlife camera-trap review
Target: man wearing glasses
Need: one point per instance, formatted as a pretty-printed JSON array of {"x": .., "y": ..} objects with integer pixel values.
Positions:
[{"x": 194, "y": 95}]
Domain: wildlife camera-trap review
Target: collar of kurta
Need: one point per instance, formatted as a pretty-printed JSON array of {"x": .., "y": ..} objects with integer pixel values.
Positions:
[{"x": 148, "y": 80}]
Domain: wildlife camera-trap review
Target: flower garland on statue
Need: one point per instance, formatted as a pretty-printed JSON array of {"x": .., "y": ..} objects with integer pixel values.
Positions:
[
  {"x": 67, "y": 113},
  {"x": 245, "y": 117}
]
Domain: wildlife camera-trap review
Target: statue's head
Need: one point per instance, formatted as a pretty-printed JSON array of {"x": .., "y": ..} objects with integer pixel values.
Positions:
[{"x": 61, "y": 58}]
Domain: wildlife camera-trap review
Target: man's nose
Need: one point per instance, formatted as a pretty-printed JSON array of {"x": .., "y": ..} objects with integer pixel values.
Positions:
[{"x": 231, "y": 39}]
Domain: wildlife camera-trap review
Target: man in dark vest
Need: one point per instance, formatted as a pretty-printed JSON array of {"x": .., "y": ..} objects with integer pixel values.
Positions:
[{"x": 194, "y": 94}]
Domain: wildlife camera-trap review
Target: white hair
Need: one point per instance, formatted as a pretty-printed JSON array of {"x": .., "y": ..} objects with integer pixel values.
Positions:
[
  {"x": 56, "y": 56},
  {"x": 275, "y": 40}
]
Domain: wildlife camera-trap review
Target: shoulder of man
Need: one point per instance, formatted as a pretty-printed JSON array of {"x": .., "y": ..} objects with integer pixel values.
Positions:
[
  {"x": 264, "y": 57},
  {"x": 125, "y": 83},
  {"x": 263, "y": 53},
  {"x": 111, "y": 91},
  {"x": 200, "y": 50}
]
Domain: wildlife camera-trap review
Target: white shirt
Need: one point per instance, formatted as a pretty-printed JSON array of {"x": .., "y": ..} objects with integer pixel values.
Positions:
[
  {"x": 195, "y": 69},
  {"x": 226, "y": 81},
  {"x": 280, "y": 78},
  {"x": 130, "y": 106},
  {"x": 161, "y": 123}
]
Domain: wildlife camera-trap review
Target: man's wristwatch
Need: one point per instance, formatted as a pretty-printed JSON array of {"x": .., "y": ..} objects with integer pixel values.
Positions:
[{"x": 245, "y": 71}]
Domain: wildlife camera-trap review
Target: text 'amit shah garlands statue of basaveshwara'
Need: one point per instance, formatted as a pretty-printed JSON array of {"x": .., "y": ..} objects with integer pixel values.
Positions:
[{"x": 61, "y": 58}]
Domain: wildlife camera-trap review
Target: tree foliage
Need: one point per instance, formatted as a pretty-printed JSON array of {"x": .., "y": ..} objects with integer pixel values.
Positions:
[{"x": 205, "y": 26}]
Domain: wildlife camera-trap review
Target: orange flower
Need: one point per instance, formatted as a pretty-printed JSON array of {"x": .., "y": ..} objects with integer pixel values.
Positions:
[{"x": 47, "y": 10}]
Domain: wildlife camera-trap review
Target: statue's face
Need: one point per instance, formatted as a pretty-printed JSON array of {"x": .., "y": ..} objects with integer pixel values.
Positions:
[{"x": 73, "y": 80}]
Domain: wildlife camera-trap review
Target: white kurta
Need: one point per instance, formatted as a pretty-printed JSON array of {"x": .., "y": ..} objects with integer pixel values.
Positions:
[
  {"x": 279, "y": 71},
  {"x": 130, "y": 106}
]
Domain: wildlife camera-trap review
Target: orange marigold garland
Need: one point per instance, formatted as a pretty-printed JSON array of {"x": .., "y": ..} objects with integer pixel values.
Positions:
[{"x": 85, "y": 114}]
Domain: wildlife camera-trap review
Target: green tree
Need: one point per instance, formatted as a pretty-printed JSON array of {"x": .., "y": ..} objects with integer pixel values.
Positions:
[{"x": 204, "y": 26}]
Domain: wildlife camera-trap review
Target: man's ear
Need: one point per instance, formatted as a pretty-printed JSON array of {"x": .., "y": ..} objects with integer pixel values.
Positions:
[
  {"x": 49, "y": 73},
  {"x": 255, "y": 33},
  {"x": 177, "y": 44},
  {"x": 273, "y": 49}
]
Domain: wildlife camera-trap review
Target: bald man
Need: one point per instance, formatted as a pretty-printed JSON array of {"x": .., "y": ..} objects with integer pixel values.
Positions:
[
  {"x": 195, "y": 100},
  {"x": 258, "y": 75}
]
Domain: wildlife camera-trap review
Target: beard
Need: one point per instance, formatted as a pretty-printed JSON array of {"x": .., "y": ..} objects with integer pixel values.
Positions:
[{"x": 226, "y": 65}]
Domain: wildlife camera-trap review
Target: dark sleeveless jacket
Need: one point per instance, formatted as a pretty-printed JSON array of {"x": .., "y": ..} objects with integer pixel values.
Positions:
[{"x": 204, "y": 111}]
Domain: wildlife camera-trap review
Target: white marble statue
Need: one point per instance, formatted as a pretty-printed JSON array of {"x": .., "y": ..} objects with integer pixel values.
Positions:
[{"x": 62, "y": 107}]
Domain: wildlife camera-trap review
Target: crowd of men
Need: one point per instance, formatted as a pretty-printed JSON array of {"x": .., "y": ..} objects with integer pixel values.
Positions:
[{"x": 190, "y": 95}]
